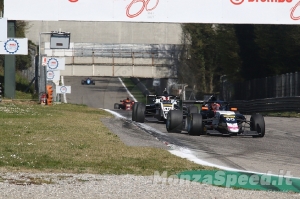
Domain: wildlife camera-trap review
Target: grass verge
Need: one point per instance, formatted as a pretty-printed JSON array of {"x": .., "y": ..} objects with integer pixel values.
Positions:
[
  {"x": 134, "y": 90},
  {"x": 71, "y": 138}
]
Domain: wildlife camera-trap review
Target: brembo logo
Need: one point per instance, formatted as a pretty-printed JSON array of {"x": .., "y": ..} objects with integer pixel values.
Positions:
[
  {"x": 238, "y": 2},
  {"x": 293, "y": 9}
]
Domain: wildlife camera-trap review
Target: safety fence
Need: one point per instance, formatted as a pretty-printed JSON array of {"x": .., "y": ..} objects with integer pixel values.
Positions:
[
  {"x": 127, "y": 50},
  {"x": 285, "y": 85},
  {"x": 280, "y": 104},
  {"x": 157, "y": 51}
]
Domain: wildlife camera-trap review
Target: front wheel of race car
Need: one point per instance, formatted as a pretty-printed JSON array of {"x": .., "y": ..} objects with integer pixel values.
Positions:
[
  {"x": 174, "y": 121},
  {"x": 195, "y": 124},
  {"x": 140, "y": 113},
  {"x": 257, "y": 123}
]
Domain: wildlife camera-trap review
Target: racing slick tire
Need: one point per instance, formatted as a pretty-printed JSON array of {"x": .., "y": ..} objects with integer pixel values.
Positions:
[
  {"x": 140, "y": 113},
  {"x": 134, "y": 108},
  {"x": 82, "y": 82},
  {"x": 116, "y": 106},
  {"x": 257, "y": 123},
  {"x": 93, "y": 83},
  {"x": 195, "y": 126},
  {"x": 174, "y": 121}
]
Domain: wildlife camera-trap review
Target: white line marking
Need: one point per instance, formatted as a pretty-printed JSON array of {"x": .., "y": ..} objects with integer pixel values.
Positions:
[
  {"x": 114, "y": 113},
  {"x": 129, "y": 93}
]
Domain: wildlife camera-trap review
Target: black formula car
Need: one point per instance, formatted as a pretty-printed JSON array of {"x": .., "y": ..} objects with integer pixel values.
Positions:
[
  {"x": 87, "y": 81},
  {"x": 225, "y": 120}
]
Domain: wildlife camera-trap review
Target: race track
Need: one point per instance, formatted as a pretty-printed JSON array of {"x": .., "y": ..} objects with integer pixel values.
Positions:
[{"x": 276, "y": 153}]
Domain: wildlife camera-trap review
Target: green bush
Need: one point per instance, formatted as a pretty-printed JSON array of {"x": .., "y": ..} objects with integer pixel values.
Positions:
[{"x": 21, "y": 85}]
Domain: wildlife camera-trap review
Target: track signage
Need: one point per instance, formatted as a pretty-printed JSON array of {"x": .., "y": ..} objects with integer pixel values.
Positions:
[
  {"x": 175, "y": 11},
  {"x": 14, "y": 46},
  {"x": 63, "y": 89}
]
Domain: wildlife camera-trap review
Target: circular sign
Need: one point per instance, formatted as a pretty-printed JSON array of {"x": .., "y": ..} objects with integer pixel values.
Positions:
[
  {"x": 11, "y": 46},
  {"x": 52, "y": 63},
  {"x": 63, "y": 89},
  {"x": 237, "y": 2},
  {"x": 50, "y": 74}
]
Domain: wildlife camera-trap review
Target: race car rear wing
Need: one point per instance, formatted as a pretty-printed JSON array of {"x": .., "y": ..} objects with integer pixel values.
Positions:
[
  {"x": 152, "y": 98},
  {"x": 183, "y": 104},
  {"x": 192, "y": 102},
  {"x": 159, "y": 96}
]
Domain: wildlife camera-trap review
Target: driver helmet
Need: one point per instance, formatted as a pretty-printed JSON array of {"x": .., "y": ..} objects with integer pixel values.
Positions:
[
  {"x": 165, "y": 92},
  {"x": 127, "y": 98},
  {"x": 215, "y": 106}
]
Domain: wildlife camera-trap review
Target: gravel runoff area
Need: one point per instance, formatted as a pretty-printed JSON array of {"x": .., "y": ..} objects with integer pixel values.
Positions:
[{"x": 21, "y": 185}]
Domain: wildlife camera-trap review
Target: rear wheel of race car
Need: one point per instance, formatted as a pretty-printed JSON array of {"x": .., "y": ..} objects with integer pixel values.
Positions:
[
  {"x": 257, "y": 123},
  {"x": 195, "y": 125},
  {"x": 82, "y": 82},
  {"x": 190, "y": 110},
  {"x": 134, "y": 108},
  {"x": 174, "y": 121},
  {"x": 140, "y": 113},
  {"x": 116, "y": 106}
]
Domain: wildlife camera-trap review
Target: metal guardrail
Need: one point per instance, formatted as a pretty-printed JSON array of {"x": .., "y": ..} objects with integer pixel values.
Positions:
[{"x": 267, "y": 105}]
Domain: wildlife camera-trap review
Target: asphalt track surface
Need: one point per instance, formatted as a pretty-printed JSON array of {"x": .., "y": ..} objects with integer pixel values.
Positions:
[{"x": 277, "y": 153}]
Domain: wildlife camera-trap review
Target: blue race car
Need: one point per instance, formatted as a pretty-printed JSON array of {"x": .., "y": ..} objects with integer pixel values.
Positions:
[{"x": 87, "y": 81}]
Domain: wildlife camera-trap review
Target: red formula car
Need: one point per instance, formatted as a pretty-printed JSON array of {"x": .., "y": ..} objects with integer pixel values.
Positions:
[{"x": 126, "y": 104}]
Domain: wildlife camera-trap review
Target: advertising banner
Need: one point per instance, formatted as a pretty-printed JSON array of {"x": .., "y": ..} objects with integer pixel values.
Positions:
[
  {"x": 53, "y": 75},
  {"x": 14, "y": 46},
  {"x": 54, "y": 63},
  {"x": 175, "y": 11},
  {"x": 63, "y": 89},
  {"x": 3, "y": 29}
]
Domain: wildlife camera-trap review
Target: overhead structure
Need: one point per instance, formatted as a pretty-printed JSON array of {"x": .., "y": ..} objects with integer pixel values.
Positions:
[{"x": 175, "y": 11}]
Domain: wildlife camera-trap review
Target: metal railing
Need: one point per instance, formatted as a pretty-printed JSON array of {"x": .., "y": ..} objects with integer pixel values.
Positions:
[
  {"x": 279, "y": 104},
  {"x": 285, "y": 85},
  {"x": 158, "y": 51}
]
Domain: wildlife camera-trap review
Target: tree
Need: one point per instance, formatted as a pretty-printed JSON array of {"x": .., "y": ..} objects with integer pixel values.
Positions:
[
  {"x": 212, "y": 53},
  {"x": 278, "y": 47},
  {"x": 1, "y": 6},
  {"x": 251, "y": 64}
]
